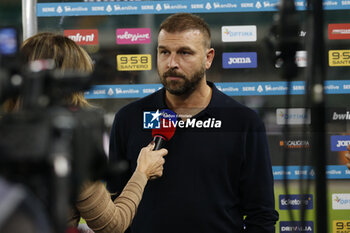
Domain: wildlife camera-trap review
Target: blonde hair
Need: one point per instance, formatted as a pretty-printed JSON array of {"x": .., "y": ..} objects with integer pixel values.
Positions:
[{"x": 66, "y": 54}]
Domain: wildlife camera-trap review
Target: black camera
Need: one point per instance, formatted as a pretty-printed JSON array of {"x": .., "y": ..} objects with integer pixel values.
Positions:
[{"x": 46, "y": 147}]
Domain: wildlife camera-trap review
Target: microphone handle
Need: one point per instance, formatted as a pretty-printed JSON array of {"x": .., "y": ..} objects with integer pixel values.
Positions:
[{"x": 159, "y": 142}]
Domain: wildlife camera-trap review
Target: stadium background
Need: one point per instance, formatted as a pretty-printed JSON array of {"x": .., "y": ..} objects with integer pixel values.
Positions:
[{"x": 241, "y": 83}]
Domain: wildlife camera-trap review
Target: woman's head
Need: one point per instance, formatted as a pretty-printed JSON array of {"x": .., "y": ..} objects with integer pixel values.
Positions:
[
  {"x": 66, "y": 54},
  {"x": 64, "y": 51}
]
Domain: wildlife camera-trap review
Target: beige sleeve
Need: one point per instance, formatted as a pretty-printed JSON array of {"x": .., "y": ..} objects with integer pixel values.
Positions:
[{"x": 101, "y": 214}]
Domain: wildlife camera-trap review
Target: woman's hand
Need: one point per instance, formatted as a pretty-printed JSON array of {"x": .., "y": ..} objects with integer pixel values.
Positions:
[{"x": 151, "y": 162}]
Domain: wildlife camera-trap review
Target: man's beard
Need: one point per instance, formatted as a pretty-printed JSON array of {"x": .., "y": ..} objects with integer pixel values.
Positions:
[{"x": 178, "y": 88}]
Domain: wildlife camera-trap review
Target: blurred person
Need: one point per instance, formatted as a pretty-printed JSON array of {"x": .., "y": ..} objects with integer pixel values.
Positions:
[
  {"x": 66, "y": 54},
  {"x": 94, "y": 203},
  {"x": 217, "y": 179}
]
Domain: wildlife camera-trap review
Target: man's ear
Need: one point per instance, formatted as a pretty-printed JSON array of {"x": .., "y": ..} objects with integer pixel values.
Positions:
[{"x": 209, "y": 59}]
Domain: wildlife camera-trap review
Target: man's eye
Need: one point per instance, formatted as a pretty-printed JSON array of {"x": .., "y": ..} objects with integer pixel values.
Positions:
[{"x": 163, "y": 52}]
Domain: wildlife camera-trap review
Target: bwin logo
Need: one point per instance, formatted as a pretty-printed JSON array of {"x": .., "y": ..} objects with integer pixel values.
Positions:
[
  {"x": 239, "y": 60},
  {"x": 339, "y": 116}
]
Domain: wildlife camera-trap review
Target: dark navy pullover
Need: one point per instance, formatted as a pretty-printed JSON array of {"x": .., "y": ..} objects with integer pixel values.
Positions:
[{"x": 215, "y": 180}]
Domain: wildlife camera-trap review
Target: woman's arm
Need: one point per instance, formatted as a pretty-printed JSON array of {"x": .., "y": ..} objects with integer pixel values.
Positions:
[{"x": 96, "y": 207}]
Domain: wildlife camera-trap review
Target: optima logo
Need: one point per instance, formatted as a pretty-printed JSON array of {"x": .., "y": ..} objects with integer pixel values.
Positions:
[
  {"x": 340, "y": 142},
  {"x": 341, "y": 201},
  {"x": 83, "y": 36},
  {"x": 293, "y": 116},
  {"x": 239, "y": 60},
  {"x": 238, "y": 33},
  {"x": 339, "y": 31},
  {"x": 133, "y": 36},
  {"x": 297, "y": 226},
  {"x": 296, "y": 201}
]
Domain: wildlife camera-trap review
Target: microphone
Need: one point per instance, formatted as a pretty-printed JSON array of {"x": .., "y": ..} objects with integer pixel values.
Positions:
[{"x": 163, "y": 134}]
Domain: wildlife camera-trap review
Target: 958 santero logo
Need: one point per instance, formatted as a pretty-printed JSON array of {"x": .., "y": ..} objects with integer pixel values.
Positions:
[
  {"x": 339, "y": 57},
  {"x": 341, "y": 226},
  {"x": 129, "y": 62}
]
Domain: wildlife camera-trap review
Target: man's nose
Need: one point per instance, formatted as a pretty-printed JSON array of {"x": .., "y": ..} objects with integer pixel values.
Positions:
[{"x": 173, "y": 63}]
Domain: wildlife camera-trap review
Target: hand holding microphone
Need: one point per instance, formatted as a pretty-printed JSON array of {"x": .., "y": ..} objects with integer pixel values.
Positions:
[
  {"x": 94, "y": 202},
  {"x": 151, "y": 162}
]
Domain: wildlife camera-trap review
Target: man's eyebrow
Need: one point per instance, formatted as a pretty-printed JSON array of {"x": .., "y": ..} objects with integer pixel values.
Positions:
[
  {"x": 181, "y": 48},
  {"x": 186, "y": 48}
]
